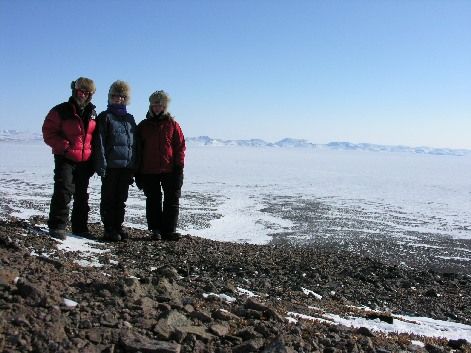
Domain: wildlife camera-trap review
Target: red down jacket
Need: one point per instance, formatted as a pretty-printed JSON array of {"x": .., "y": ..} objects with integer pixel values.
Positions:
[
  {"x": 162, "y": 145},
  {"x": 67, "y": 133}
]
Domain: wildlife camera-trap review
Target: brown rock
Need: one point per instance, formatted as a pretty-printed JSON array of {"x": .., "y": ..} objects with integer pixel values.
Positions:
[
  {"x": 135, "y": 342},
  {"x": 219, "y": 329},
  {"x": 225, "y": 315},
  {"x": 249, "y": 346},
  {"x": 255, "y": 305},
  {"x": 198, "y": 331},
  {"x": 201, "y": 315}
]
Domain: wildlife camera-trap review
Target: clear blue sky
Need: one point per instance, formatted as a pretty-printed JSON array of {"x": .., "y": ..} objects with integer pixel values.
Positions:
[{"x": 389, "y": 72}]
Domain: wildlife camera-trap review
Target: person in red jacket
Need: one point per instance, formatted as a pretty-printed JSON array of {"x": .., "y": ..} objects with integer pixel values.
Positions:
[
  {"x": 162, "y": 158},
  {"x": 68, "y": 129}
]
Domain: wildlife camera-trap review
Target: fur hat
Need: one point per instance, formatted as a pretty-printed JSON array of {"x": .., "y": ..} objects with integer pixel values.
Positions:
[
  {"x": 120, "y": 88},
  {"x": 160, "y": 97},
  {"x": 86, "y": 84},
  {"x": 83, "y": 83}
]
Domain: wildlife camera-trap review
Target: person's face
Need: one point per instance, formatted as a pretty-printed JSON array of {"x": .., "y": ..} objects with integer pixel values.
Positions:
[
  {"x": 118, "y": 98},
  {"x": 157, "y": 108},
  {"x": 81, "y": 96}
]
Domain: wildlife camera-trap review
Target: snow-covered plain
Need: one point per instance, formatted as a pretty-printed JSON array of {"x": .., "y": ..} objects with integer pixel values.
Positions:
[
  {"x": 252, "y": 194},
  {"x": 256, "y": 194},
  {"x": 426, "y": 193},
  {"x": 412, "y": 208}
]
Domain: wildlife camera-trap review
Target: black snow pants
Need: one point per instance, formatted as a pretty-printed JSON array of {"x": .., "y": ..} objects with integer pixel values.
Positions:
[
  {"x": 162, "y": 193},
  {"x": 70, "y": 181},
  {"x": 114, "y": 194}
]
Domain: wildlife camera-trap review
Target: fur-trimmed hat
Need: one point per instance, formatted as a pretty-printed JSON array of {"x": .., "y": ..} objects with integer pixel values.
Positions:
[
  {"x": 120, "y": 88},
  {"x": 85, "y": 84},
  {"x": 159, "y": 97}
]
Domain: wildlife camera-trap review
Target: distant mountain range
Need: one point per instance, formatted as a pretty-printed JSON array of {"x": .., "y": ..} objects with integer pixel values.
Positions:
[
  {"x": 14, "y": 135},
  {"x": 298, "y": 143}
]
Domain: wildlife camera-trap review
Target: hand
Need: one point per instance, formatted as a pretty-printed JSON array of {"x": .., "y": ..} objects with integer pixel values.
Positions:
[
  {"x": 179, "y": 180},
  {"x": 101, "y": 173},
  {"x": 91, "y": 169},
  {"x": 178, "y": 176},
  {"x": 177, "y": 169}
]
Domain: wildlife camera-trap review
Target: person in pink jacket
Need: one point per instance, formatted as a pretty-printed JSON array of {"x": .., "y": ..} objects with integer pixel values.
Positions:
[
  {"x": 162, "y": 158},
  {"x": 68, "y": 129}
]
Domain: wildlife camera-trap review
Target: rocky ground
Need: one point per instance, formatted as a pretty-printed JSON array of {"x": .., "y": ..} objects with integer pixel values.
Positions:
[{"x": 197, "y": 295}]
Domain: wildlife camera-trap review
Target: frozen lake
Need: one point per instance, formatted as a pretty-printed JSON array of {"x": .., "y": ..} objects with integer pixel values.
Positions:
[{"x": 365, "y": 202}]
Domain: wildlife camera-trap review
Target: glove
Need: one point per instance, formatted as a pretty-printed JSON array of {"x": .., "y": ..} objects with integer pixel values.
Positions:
[
  {"x": 101, "y": 173},
  {"x": 178, "y": 176},
  {"x": 90, "y": 169}
]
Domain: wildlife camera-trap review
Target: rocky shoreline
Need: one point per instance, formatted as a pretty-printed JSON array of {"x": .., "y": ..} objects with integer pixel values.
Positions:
[{"x": 198, "y": 295}]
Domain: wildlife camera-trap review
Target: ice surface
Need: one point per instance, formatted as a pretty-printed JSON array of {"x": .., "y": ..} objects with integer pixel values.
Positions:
[
  {"x": 250, "y": 194},
  {"x": 401, "y": 324},
  {"x": 379, "y": 204}
]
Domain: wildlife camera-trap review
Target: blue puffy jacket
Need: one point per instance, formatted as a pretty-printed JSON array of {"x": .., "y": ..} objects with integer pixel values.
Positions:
[{"x": 114, "y": 143}]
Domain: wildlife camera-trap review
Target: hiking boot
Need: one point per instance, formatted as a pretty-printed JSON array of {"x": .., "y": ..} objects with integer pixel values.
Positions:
[
  {"x": 57, "y": 233},
  {"x": 111, "y": 235},
  {"x": 123, "y": 233},
  {"x": 173, "y": 236},
  {"x": 156, "y": 235}
]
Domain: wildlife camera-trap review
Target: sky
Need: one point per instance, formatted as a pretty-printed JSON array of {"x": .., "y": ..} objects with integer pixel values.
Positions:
[{"x": 387, "y": 72}]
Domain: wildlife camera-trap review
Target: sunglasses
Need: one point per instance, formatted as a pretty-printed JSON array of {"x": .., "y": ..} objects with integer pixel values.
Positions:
[
  {"x": 83, "y": 92},
  {"x": 115, "y": 96}
]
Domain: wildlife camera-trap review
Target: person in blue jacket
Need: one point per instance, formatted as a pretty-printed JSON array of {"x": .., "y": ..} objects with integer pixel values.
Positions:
[{"x": 116, "y": 159}]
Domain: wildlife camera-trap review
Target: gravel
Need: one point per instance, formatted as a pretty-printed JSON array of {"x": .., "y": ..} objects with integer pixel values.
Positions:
[{"x": 198, "y": 295}]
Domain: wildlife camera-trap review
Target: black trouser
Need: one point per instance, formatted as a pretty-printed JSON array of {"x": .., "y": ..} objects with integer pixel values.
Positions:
[
  {"x": 162, "y": 216},
  {"x": 70, "y": 179},
  {"x": 114, "y": 193}
]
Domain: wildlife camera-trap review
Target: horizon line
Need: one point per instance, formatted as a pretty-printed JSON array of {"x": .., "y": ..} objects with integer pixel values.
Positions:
[{"x": 283, "y": 139}]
